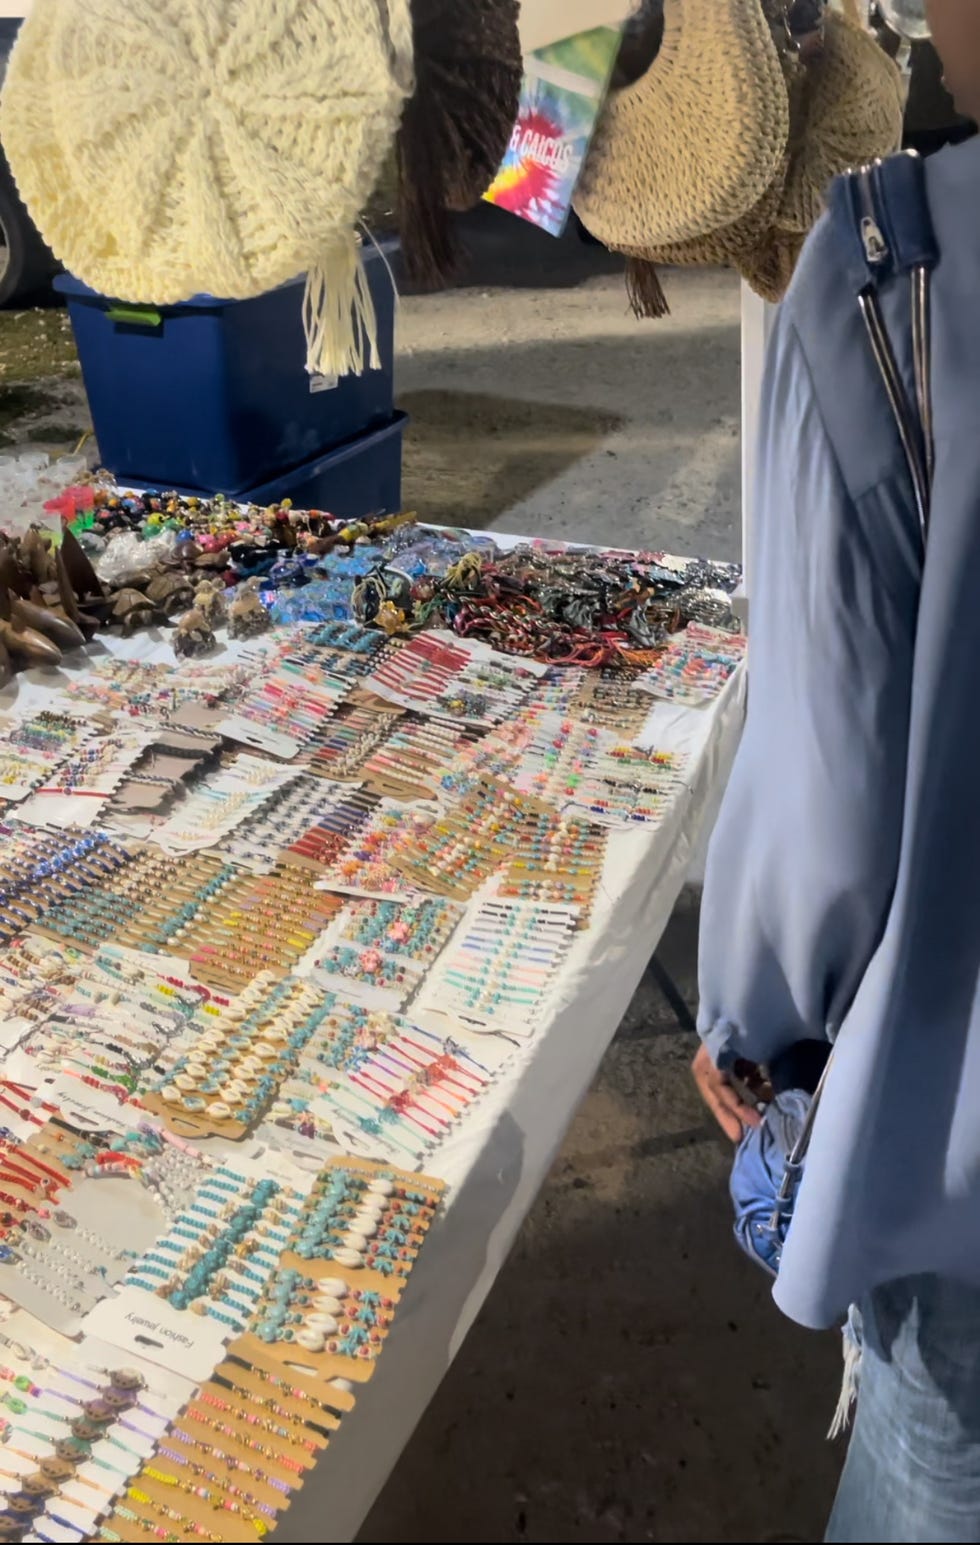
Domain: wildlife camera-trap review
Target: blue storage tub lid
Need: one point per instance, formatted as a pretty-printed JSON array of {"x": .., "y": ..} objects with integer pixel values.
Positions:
[{"x": 67, "y": 284}]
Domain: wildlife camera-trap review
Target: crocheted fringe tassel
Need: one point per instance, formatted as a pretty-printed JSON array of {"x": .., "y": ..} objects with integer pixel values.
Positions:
[
  {"x": 338, "y": 315},
  {"x": 852, "y": 1372},
  {"x": 646, "y": 296}
]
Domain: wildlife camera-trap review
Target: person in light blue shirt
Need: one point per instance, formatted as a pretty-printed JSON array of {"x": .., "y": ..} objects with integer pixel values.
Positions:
[{"x": 842, "y": 899}]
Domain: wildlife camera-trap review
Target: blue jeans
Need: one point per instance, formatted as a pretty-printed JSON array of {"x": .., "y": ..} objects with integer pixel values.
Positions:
[{"x": 913, "y": 1467}]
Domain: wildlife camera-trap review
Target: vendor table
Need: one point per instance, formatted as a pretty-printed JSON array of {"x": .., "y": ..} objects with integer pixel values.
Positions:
[{"x": 495, "y": 1163}]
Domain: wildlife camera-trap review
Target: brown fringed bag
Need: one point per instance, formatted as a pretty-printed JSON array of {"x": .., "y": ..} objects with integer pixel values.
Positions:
[{"x": 455, "y": 129}]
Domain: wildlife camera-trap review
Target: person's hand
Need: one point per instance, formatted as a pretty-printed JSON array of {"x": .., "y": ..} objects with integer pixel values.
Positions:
[{"x": 715, "y": 1089}]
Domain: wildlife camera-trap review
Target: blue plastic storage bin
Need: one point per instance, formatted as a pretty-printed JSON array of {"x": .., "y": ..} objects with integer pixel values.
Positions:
[
  {"x": 214, "y": 394},
  {"x": 363, "y": 477}
]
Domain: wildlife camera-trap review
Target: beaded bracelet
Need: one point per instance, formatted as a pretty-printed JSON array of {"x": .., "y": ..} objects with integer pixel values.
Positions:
[
  {"x": 195, "y": 1413},
  {"x": 231, "y": 1460},
  {"x": 75, "y": 1450},
  {"x": 188, "y": 1525},
  {"x": 207, "y": 1495},
  {"x": 277, "y": 1457}
]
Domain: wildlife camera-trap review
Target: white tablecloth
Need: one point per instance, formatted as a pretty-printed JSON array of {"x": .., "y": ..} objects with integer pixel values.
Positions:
[{"x": 497, "y": 1162}]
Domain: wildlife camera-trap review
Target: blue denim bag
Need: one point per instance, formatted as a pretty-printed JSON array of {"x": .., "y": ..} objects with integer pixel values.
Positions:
[
  {"x": 760, "y": 1173},
  {"x": 881, "y": 216}
]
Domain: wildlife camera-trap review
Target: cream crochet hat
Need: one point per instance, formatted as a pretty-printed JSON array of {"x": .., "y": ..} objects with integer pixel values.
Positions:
[{"x": 170, "y": 147}]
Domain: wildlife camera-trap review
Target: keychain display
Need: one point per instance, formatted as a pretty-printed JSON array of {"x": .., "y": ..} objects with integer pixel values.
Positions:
[
  {"x": 695, "y": 665},
  {"x": 501, "y": 963},
  {"x": 352, "y": 734},
  {"x": 274, "y": 925},
  {"x": 443, "y": 675}
]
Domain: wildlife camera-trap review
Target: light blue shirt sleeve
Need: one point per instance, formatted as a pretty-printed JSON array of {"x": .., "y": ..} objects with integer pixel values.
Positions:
[{"x": 803, "y": 860}]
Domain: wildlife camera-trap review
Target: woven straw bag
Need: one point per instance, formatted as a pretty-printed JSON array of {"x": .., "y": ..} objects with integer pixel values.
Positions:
[
  {"x": 848, "y": 112},
  {"x": 696, "y": 142},
  {"x": 851, "y": 113},
  {"x": 845, "y": 106},
  {"x": 170, "y": 147}
]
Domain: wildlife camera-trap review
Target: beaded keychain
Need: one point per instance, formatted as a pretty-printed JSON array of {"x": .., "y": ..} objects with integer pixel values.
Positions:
[
  {"x": 380, "y": 950},
  {"x": 695, "y": 665},
  {"x": 351, "y": 735},
  {"x": 283, "y": 713},
  {"x": 502, "y": 961},
  {"x": 231, "y": 1074}
]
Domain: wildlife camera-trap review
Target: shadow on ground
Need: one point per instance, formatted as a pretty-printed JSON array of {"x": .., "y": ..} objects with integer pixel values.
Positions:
[
  {"x": 521, "y": 448},
  {"x": 499, "y": 249},
  {"x": 553, "y": 426},
  {"x": 629, "y": 1377}
]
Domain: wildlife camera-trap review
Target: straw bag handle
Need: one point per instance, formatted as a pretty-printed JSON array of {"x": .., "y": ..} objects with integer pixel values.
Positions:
[{"x": 881, "y": 214}]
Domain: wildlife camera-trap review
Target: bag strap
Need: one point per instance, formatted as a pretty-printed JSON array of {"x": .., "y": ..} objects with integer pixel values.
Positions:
[
  {"x": 882, "y": 219},
  {"x": 881, "y": 216}
]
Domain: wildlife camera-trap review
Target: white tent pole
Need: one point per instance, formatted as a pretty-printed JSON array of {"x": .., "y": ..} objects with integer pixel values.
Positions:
[{"x": 756, "y": 323}]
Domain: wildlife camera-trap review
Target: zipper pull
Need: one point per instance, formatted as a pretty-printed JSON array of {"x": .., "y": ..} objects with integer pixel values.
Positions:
[{"x": 872, "y": 238}]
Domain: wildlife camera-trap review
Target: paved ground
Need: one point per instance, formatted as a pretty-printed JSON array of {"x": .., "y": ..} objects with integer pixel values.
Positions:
[
  {"x": 545, "y": 407},
  {"x": 629, "y": 1378}
]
